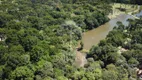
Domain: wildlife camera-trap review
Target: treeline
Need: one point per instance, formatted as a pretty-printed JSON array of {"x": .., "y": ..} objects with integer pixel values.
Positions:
[
  {"x": 120, "y": 53},
  {"x": 129, "y": 1}
]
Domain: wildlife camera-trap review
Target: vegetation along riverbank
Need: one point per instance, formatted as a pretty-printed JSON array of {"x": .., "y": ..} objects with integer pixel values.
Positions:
[{"x": 38, "y": 40}]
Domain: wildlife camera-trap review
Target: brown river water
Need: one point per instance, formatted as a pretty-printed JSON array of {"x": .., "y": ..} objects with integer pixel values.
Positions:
[{"x": 94, "y": 36}]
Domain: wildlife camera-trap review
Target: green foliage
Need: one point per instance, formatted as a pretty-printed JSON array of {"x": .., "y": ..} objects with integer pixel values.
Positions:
[
  {"x": 22, "y": 73},
  {"x": 105, "y": 53},
  {"x": 120, "y": 51},
  {"x": 133, "y": 61},
  {"x": 44, "y": 69},
  {"x": 38, "y": 39},
  {"x": 109, "y": 75},
  {"x": 89, "y": 76}
]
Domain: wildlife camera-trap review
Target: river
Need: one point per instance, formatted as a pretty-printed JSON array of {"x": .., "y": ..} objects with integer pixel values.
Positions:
[{"x": 94, "y": 36}]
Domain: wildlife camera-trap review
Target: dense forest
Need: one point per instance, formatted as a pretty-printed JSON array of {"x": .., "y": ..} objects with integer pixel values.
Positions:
[
  {"x": 38, "y": 40},
  {"x": 35, "y": 41}
]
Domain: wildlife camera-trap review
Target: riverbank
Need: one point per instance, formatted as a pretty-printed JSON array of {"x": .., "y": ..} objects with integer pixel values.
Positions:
[
  {"x": 94, "y": 36},
  {"x": 130, "y": 9},
  {"x": 80, "y": 59}
]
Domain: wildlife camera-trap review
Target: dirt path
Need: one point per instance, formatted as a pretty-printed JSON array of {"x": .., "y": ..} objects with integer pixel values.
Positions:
[{"x": 80, "y": 59}]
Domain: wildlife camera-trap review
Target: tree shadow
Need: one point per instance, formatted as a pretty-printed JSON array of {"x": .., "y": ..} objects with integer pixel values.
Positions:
[{"x": 121, "y": 9}]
